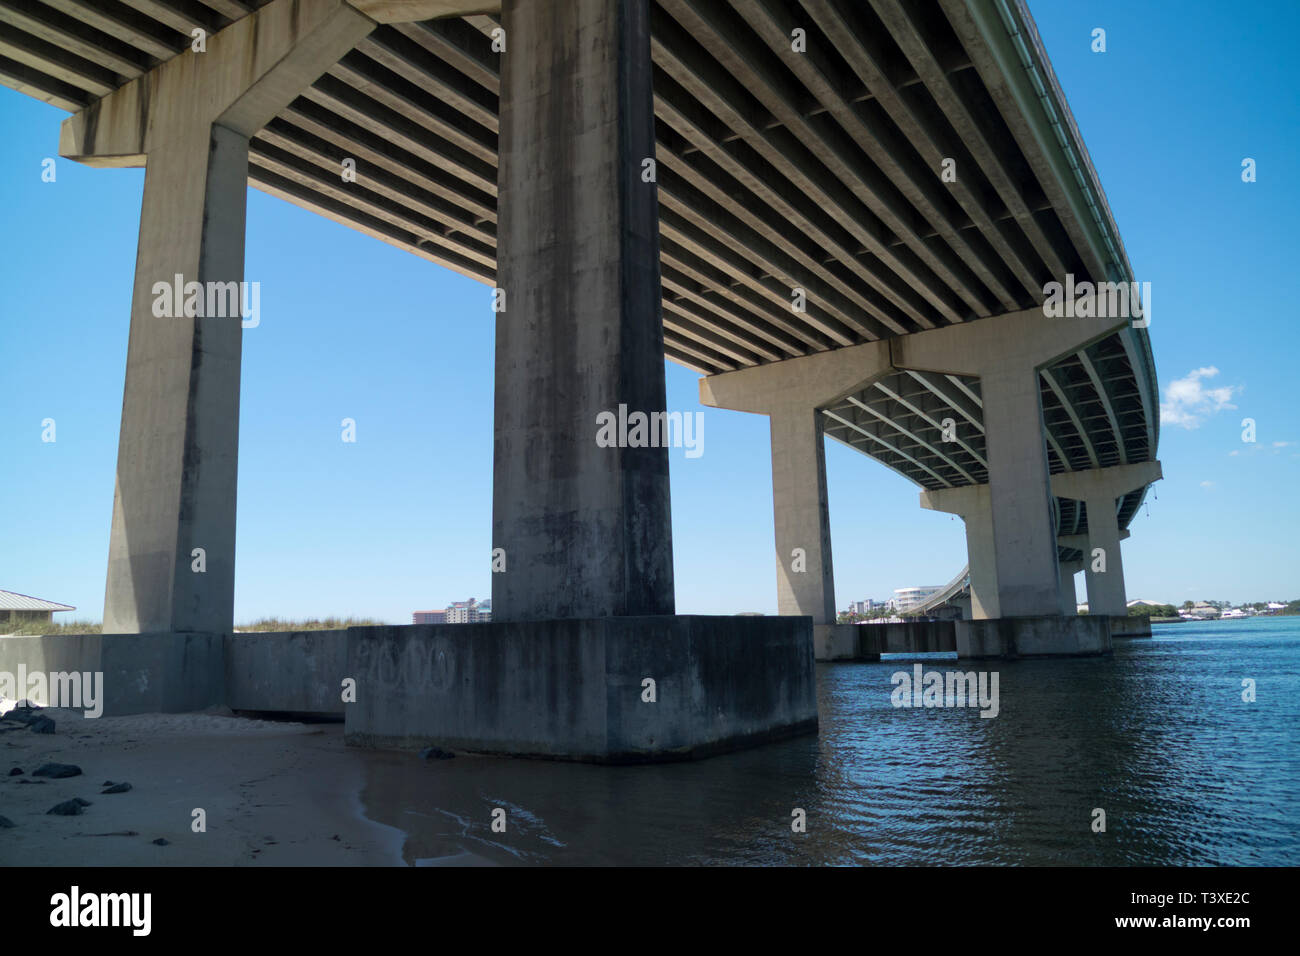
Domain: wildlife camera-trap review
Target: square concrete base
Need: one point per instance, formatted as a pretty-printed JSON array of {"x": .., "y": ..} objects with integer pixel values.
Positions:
[
  {"x": 606, "y": 690},
  {"x": 1049, "y": 636},
  {"x": 1130, "y": 626}
]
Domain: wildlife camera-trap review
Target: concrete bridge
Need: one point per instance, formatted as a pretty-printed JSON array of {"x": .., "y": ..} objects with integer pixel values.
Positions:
[{"x": 845, "y": 215}]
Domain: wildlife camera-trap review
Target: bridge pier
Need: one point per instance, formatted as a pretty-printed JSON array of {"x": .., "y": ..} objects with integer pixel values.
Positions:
[
  {"x": 1011, "y": 533},
  {"x": 1068, "y": 569},
  {"x": 171, "y": 564},
  {"x": 791, "y": 393},
  {"x": 1100, "y": 490},
  {"x": 586, "y": 530}
]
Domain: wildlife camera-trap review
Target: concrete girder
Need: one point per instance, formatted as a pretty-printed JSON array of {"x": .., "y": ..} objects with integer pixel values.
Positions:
[
  {"x": 888, "y": 446},
  {"x": 971, "y": 133},
  {"x": 123, "y": 23},
  {"x": 780, "y": 180},
  {"x": 835, "y": 147},
  {"x": 677, "y": 104},
  {"x": 1050, "y": 378},
  {"x": 59, "y": 29},
  {"x": 919, "y": 186},
  {"x": 910, "y": 284},
  {"x": 1107, "y": 407},
  {"x": 986, "y": 36},
  {"x": 1015, "y": 282}
]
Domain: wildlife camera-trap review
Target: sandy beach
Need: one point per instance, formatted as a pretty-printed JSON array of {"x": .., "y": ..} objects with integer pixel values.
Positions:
[{"x": 274, "y": 794}]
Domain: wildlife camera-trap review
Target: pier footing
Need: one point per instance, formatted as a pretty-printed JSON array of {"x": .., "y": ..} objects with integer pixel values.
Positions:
[
  {"x": 603, "y": 690},
  {"x": 866, "y": 642},
  {"x": 1009, "y": 638},
  {"x": 1122, "y": 626}
]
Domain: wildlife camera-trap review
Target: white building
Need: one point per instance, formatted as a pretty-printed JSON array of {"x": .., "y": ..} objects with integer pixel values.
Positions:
[{"x": 907, "y": 598}]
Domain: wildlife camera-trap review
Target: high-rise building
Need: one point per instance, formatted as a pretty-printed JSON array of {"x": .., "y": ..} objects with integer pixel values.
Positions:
[
  {"x": 908, "y": 598},
  {"x": 457, "y": 612}
]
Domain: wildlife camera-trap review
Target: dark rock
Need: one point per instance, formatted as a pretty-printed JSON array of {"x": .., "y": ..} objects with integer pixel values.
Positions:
[
  {"x": 41, "y": 725},
  {"x": 23, "y": 713},
  {"x": 16, "y": 772},
  {"x": 84, "y": 803},
  {"x": 107, "y": 783},
  {"x": 435, "y": 753},
  {"x": 57, "y": 771},
  {"x": 161, "y": 841},
  {"x": 68, "y": 808},
  {"x": 122, "y": 787},
  {"x": 6, "y": 823},
  {"x": 32, "y": 781}
]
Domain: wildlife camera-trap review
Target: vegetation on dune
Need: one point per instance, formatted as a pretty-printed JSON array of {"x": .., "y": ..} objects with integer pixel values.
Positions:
[
  {"x": 34, "y": 628},
  {"x": 314, "y": 624}
]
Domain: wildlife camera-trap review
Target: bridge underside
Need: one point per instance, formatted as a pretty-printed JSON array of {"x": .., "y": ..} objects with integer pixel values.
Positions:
[{"x": 779, "y": 194}]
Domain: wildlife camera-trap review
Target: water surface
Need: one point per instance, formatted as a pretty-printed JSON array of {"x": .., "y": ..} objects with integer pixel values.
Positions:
[{"x": 1158, "y": 736}]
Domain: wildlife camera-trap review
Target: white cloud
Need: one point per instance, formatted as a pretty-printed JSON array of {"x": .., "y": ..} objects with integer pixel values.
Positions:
[
  {"x": 1207, "y": 484},
  {"x": 1188, "y": 402},
  {"x": 1281, "y": 444}
]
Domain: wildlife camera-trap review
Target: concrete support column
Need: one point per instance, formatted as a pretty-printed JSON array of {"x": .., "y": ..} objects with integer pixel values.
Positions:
[
  {"x": 792, "y": 393},
  {"x": 1100, "y": 490},
  {"x": 178, "y": 450},
  {"x": 586, "y": 530},
  {"x": 188, "y": 122},
  {"x": 1006, "y": 353},
  {"x": 1069, "y": 601},
  {"x": 972, "y": 503},
  {"x": 805, "y": 577},
  {"x": 1024, "y": 539},
  {"x": 1104, "y": 572}
]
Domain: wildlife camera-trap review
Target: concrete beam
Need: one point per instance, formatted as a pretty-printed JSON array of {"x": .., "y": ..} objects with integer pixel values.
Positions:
[
  {"x": 586, "y": 530},
  {"x": 1106, "y": 482},
  {"x": 1079, "y": 542},
  {"x": 813, "y": 381},
  {"x": 248, "y": 72},
  {"x": 411, "y": 11}
]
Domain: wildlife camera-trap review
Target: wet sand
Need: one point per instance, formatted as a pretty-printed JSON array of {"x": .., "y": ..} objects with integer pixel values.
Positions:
[{"x": 275, "y": 794}]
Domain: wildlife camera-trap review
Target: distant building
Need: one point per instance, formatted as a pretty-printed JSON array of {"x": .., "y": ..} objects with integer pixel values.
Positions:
[
  {"x": 908, "y": 598},
  {"x": 457, "y": 612},
  {"x": 19, "y": 607}
]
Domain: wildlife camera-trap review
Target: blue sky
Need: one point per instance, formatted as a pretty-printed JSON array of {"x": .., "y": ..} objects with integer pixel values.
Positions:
[{"x": 401, "y": 520}]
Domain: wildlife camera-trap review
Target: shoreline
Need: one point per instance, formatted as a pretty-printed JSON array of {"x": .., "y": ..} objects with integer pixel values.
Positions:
[{"x": 272, "y": 794}]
